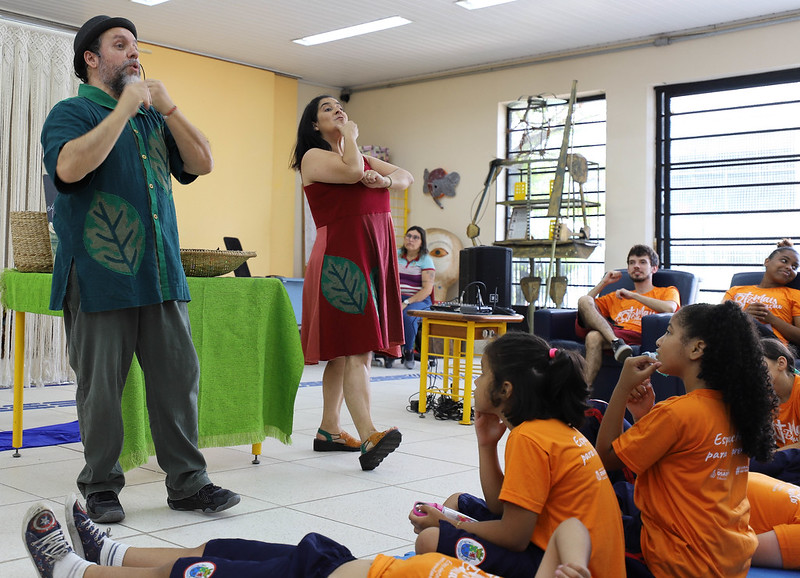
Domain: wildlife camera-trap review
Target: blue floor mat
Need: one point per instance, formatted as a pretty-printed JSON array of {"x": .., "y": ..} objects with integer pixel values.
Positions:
[
  {"x": 772, "y": 573},
  {"x": 49, "y": 435}
]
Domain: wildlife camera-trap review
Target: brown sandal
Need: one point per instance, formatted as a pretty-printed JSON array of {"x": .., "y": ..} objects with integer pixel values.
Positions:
[
  {"x": 382, "y": 444},
  {"x": 341, "y": 442}
]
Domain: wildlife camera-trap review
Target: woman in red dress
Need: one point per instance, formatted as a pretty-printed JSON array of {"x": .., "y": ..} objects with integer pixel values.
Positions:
[{"x": 351, "y": 292}]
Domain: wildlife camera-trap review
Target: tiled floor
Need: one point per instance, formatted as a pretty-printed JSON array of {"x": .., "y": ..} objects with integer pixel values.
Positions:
[{"x": 291, "y": 492}]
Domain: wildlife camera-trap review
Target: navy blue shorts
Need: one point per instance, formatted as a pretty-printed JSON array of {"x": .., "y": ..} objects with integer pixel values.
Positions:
[
  {"x": 482, "y": 553},
  {"x": 314, "y": 557}
]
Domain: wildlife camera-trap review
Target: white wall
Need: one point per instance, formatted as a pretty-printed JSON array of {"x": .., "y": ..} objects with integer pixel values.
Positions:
[{"x": 453, "y": 123}]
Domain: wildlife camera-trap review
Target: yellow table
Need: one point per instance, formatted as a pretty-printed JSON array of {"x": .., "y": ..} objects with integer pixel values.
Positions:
[
  {"x": 251, "y": 361},
  {"x": 459, "y": 332}
]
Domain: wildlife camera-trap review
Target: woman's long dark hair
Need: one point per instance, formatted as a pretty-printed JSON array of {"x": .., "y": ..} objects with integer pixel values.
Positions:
[
  {"x": 307, "y": 137},
  {"x": 733, "y": 363},
  {"x": 544, "y": 387},
  {"x": 423, "y": 248}
]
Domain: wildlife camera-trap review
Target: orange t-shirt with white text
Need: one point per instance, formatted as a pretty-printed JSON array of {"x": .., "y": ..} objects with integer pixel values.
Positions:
[
  {"x": 627, "y": 313},
  {"x": 783, "y": 302},
  {"x": 787, "y": 424},
  {"x": 430, "y": 565},
  {"x": 775, "y": 505},
  {"x": 553, "y": 470},
  {"x": 691, "y": 487}
]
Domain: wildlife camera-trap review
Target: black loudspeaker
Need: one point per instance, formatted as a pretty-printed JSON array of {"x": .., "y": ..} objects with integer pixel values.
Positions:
[{"x": 490, "y": 265}]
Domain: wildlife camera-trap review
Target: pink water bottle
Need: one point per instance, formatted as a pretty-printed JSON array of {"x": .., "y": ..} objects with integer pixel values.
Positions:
[{"x": 449, "y": 513}]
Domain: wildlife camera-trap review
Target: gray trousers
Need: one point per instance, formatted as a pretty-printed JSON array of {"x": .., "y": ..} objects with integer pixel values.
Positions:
[{"x": 101, "y": 348}]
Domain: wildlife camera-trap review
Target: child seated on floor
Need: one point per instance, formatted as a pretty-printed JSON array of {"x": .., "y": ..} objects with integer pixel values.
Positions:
[
  {"x": 552, "y": 472},
  {"x": 690, "y": 452},
  {"x": 775, "y": 518},
  {"x": 786, "y": 382},
  {"x": 98, "y": 556}
]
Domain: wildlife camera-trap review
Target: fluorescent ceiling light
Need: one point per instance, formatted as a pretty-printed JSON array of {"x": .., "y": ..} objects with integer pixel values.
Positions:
[
  {"x": 357, "y": 30},
  {"x": 478, "y": 4},
  {"x": 149, "y": 2}
]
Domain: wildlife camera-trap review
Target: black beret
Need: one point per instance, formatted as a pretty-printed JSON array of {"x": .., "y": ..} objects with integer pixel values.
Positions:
[{"x": 91, "y": 29}]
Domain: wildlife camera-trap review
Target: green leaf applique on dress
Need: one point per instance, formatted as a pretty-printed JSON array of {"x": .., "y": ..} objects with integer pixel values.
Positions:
[
  {"x": 344, "y": 285},
  {"x": 114, "y": 234},
  {"x": 373, "y": 286},
  {"x": 157, "y": 149}
]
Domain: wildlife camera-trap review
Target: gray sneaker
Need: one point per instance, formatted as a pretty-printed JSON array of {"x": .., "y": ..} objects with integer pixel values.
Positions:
[
  {"x": 622, "y": 350},
  {"x": 408, "y": 359},
  {"x": 104, "y": 507},
  {"x": 209, "y": 498}
]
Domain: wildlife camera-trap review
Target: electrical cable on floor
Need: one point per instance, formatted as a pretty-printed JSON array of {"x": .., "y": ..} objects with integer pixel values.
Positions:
[{"x": 443, "y": 407}]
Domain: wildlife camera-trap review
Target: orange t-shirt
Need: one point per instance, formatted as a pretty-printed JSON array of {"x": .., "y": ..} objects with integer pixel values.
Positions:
[
  {"x": 551, "y": 469},
  {"x": 775, "y": 505},
  {"x": 783, "y": 302},
  {"x": 431, "y": 565},
  {"x": 691, "y": 487},
  {"x": 787, "y": 424},
  {"x": 628, "y": 313}
]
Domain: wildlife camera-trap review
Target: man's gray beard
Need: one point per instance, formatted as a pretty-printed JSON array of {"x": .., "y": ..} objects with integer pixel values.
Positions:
[{"x": 120, "y": 81}]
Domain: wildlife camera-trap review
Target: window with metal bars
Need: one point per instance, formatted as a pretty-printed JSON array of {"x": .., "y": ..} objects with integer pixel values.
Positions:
[
  {"x": 539, "y": 134},
  {"x": 727, "y": 174}
]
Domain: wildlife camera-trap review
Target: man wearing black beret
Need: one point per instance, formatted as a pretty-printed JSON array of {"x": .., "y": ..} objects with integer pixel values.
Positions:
[{"x": 117, "y": 273}]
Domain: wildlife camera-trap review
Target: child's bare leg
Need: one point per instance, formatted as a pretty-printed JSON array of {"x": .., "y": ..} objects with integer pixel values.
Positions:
[
  {"x": 452, "y": 502},
  {"x": 145, "y": 563},
  {"x": 570, "y": 546},
  {"x": 154, "y": 557},
  {"x": 125, "y": 572},
  {"x": 427, "y": 541}
]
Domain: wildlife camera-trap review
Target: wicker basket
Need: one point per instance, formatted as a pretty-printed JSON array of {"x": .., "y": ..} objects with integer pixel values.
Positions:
[
  {"x": 210, "y": 263},
  {"x": 30, "y": 239}
]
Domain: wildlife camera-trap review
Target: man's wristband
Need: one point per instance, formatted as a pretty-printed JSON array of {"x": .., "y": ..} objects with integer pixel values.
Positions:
[{"x": 170, "y": 111}]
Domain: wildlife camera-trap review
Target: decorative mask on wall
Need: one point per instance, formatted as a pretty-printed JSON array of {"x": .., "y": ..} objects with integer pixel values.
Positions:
[{"x": 444, "y": 248}]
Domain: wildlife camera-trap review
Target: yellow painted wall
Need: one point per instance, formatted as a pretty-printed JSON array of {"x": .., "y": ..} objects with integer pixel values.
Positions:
[{"x": 249, "y": 117}]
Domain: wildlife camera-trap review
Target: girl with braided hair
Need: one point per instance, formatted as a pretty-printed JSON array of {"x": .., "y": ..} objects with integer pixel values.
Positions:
[
  {"x": 552, "y": 473},
  {"x": 690, "y": 452}
]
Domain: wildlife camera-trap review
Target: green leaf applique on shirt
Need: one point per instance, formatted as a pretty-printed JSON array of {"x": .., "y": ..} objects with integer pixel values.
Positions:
[
  {"x": 344, "y": 285},
  {"x": 157, "y": 149},
  {"x": 114, "y": 234}
]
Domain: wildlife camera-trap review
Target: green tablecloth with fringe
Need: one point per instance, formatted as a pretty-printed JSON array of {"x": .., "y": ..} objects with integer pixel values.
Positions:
[{"x": 251, "y": 361}]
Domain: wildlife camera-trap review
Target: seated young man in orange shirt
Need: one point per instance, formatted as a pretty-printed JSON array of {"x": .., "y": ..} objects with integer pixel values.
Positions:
[{"x": 615, "y": 320}]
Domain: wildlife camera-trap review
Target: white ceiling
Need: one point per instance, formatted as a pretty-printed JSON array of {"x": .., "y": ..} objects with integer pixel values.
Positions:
[{"x": 443, "y": 38}]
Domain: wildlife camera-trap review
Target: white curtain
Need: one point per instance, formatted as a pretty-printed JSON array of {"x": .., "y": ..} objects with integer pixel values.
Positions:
[{"x": 35, "y": 73}]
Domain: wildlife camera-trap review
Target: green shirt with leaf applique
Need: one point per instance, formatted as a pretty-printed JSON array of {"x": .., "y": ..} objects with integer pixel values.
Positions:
[{"x": 118, "y": 224}]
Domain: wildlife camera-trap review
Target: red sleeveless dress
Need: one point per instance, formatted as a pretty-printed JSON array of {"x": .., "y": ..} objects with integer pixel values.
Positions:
[{"x": 351, "y": 291}]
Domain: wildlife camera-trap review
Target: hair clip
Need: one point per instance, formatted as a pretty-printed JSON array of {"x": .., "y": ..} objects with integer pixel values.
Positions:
[{"x": 553, "y": 352}]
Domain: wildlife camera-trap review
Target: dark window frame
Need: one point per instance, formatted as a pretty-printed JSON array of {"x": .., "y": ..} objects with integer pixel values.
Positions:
[
  {"x": 743, "y": 251},
  {"x": 582, "y": 273}
]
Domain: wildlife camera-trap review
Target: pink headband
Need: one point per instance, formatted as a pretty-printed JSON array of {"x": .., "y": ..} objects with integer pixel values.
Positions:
[{"x": 553, "y": 352}]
